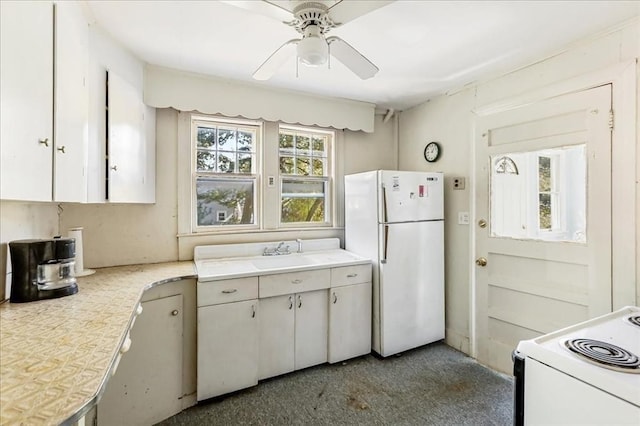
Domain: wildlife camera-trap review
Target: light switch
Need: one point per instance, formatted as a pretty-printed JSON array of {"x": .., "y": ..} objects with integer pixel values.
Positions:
[{"x": 463, "y": 218}]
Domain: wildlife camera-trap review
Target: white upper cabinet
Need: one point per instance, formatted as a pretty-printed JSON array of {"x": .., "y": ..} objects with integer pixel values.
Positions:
[
  {"x": 130, "y": 176},
  {"x": 71, "y": 103},
  {"x": 26, "y": 97}
]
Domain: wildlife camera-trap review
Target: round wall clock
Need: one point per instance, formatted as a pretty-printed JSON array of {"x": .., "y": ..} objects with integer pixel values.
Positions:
[{"x": 432, "y": 152}]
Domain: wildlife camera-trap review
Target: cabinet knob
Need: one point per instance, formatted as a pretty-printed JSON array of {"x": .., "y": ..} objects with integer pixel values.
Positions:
[
  {"x": 253, "y": 311},
  {"x": 174, "y": 312},
  {"x": 114, "y": 168},
  {"x": 44, "y": 141},
  {"x": 61, "y": 149},
  {"x": 299, "y": 301},
  {"x": 335, "y": 297},
  {"x": 290, "y": 302}
]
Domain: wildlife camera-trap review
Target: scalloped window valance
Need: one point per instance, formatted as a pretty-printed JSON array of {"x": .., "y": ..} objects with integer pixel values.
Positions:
[{"x": 164, "y": 88}]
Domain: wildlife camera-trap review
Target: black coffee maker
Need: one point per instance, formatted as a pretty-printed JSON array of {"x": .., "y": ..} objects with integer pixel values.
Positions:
[{"x": 42, "y": 269}]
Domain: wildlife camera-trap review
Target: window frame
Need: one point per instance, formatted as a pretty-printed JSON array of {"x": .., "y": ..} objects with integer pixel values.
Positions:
[
  {"x": 257, "y": 126},
  {"x": 328, "y": 178}
]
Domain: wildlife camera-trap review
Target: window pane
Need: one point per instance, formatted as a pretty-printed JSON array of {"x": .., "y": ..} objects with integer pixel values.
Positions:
[
  {"x": 206, "y": 137},
  {"x": 205, "y": 161},
  {"x": 318, "y": 167},
  {"x": 302, "y": 201},
  {"x": 286, "y": 141},
  {"x": 303, "y": 166},
  {"x": 545, "y": 211},
  {"x": 245, "y": 141},
  {"x": 226, "y": 162},
  {"x": 226, "y": 139},
  {"x": 244, "y": 163},
  {"x": 317, "y": 145},
  {"x": 302, "y": 144},
  {"x": 544, "y": 174},
  {"x": 224, "y": 201},
  {"x": 286, "y": 165}
]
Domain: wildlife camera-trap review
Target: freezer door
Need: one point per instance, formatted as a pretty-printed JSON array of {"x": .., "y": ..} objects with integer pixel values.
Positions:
[
  {"x": 410, "y": 196},
  {"x": 411, "y": 285}
]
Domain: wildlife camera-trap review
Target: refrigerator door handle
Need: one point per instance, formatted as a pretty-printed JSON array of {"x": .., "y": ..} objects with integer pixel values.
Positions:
[
  {"x": 384, "y": 244},
  {"x": 384, "y": 205}
]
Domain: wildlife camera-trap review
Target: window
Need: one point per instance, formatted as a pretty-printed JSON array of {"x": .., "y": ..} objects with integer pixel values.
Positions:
[
  {"x": 252, "y": 176},
  {"x": 305, "y": 172},
  {"x": 225, "y": 173},
  {"x": 548, "y": 219}
]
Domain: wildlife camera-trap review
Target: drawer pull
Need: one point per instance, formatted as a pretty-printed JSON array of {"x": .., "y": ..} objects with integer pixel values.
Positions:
[
  {"x": 352, "y": 275},
  {"x": 296, "y": 281},
  {"x": 233, "y": 290}
]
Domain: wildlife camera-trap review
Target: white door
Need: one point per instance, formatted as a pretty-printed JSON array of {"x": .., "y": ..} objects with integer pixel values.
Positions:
[
  {"x": 227, "y": 348},
  {"x": 410, "y": 196},
  {"x": 26, "y": 85},
  {"x": 147, "y": 386},
  {"x": 312, "y": 328},
  {"x": 410, "y": 307},
  {"x": 543, "y": 211},
  {"x": 71, "y": 103},
  {"x": 349, "y": 321},
  {"x": 276, "y": 336}
]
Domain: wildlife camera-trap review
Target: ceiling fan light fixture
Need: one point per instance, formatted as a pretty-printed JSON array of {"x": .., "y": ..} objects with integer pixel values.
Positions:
[{"x": 313, "y": 51}]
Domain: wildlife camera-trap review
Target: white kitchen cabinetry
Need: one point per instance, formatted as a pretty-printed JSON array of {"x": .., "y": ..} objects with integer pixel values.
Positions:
[
  {"x": 227, "y": 336},
  {"x": 293, "y": 326},
  {"x": 26, "y": 99},
  {"x": 43, "y": 160},
  {"x": 147, "y": 386},
  {"x": 130, "y": 147},
  {"x": 349, "y": 312}
]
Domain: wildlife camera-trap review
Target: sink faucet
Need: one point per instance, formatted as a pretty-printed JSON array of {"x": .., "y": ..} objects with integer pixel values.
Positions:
[
  {"x": 280, "y": 250},
  {"x": 299, "y": 241}
]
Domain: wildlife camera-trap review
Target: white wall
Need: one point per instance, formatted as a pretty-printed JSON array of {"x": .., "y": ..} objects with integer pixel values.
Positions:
[
  {"x": 449, "y": 119},
  {"x": 129, "y": 234},
  {"x": 19, "y": 221}
]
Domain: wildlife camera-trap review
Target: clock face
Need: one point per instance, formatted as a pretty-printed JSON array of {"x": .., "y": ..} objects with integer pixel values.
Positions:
[{"x": 432, "y": 152}]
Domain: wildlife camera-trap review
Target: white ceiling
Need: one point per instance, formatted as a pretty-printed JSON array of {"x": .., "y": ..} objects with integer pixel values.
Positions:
[{"x": 423, "y": 48}]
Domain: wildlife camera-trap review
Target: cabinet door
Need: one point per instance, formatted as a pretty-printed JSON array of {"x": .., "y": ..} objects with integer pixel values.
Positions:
[
  {"x": 147, "y": 386},
  {"x": 26, "y": 101},
  {"x": 71, "y": 103},
  {"x": 276, "y": 336},
  {"x": 311, "y": 329},
  {"x": 349, "y": 321},
  {"x": 227, "y": 348},
  {"x": 129, "y": 179}
]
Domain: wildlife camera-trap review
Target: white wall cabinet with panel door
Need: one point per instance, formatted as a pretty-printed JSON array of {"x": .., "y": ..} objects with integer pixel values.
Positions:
[
  {"x": 147, "y": 385},
  {"x": 43, "y": 160},
  {"x": 349, "y": 312},
  {"x": 26, "y": 99},
  {"x": 227, "y": 336},
  {"x": 130, "y": 144},
  {"x": 293, "y": 325}
]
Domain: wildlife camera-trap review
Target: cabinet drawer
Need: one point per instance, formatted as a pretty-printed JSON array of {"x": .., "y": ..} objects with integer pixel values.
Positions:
[
  {"x": 294, "y": 282},
  {"x": 225, "y": 291},
  {"x": 348, "y": 275}
]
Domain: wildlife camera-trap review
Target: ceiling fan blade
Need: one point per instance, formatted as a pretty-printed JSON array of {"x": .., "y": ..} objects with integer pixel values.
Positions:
[
  {"x": 351, "y": 58},
  {"x": 275, "y": 61},
  {"x": 265, "y": 8},
  {"x": 348, "y": 10}
]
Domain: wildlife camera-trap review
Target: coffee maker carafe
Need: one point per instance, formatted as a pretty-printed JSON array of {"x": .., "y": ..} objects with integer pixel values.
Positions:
[{"x": 42, "y": 269}]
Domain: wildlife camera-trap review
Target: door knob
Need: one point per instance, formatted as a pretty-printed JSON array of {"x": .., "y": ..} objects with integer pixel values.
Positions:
[
  {"x": 482, "y": 223},
  {"x": 481, "y": 261},
  {"x": 174, "y": 312}
]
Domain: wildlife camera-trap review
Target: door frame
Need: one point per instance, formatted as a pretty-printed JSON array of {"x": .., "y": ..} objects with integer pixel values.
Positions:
[{"x": 624, "y": 157}]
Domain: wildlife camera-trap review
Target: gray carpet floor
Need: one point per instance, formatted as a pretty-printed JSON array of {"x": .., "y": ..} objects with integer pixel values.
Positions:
[{"x": 432, "y": 385}]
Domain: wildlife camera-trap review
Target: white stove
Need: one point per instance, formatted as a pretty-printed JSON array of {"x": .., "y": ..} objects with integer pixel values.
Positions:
[{"x": 588, "y": 373}]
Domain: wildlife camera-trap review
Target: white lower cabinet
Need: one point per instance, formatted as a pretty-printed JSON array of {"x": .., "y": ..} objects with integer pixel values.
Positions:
[
  {"x": 147, "y": 385},
  {"x": 227, "y": 347},
  {"x": 293, "y": 332},
  {"x": 349, "y": 321}
]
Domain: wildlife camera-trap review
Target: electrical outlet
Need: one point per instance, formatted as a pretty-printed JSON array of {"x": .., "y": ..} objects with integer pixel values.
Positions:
[
  {"x": 463, "y": 218},
  {"x": 458, "y": 183}
]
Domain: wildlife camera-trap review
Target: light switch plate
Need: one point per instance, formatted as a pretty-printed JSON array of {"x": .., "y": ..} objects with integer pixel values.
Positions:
[{"x": 463, "y": 218}]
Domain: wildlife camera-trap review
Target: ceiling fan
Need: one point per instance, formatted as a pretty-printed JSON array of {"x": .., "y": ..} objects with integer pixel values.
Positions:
[{"x": 313, "y": 20}]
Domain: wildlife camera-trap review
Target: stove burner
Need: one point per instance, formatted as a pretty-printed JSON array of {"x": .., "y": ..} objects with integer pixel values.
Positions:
[
  {"x": 605, "y": 354},
  {"x": 635, "y": 320}
]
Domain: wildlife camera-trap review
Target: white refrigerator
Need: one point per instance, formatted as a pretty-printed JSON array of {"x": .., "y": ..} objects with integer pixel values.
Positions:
[{"x": 396, "y": 219}]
